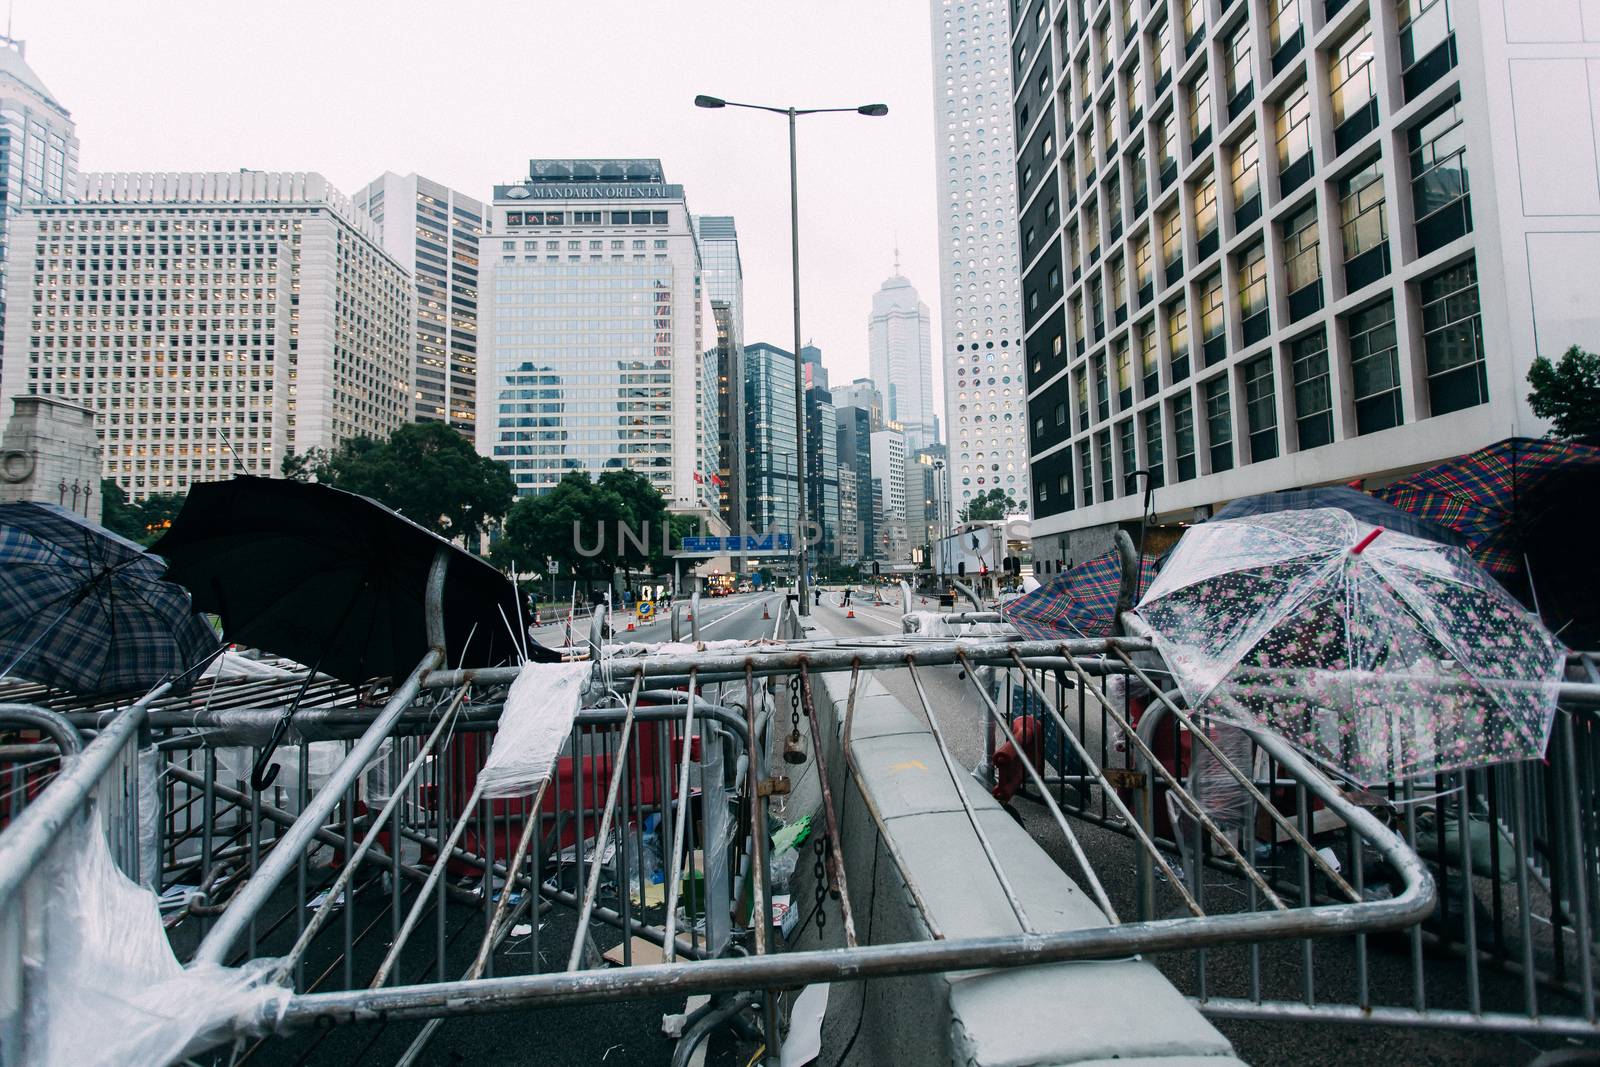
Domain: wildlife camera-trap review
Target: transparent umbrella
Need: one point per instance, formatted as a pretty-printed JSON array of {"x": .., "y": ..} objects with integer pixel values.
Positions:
[{"x": 1380, "y": 655}]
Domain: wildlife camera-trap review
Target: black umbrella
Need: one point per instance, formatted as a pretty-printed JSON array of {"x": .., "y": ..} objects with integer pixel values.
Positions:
[
  {"x": 84, "y": 610},
  {"x": 1364, "y": 506},
  {"x": 337, "y": 581}
]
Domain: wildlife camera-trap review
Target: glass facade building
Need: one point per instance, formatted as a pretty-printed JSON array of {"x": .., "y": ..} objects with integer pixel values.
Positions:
[
  {"x": 773, "y": 462},
  {"x": 723, "y": 276}
]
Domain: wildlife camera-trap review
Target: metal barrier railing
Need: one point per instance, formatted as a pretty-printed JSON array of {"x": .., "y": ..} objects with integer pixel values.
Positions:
[{"x": 387, "y": 887}]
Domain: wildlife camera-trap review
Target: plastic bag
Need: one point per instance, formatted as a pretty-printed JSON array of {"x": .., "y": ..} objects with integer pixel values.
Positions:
[
  {"x": 114, "y": 993},
  {"x": 537, "y": 720}
]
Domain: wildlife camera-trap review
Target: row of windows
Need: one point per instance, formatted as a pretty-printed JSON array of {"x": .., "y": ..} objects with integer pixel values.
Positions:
[
  {"x": 586, "y": 218},
  {"x": 1202, "y": 421}
]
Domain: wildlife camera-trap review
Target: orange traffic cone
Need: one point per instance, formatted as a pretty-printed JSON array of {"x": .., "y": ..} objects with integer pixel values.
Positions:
[
  {"x": 850, "y": 614},
  {"x": 690, "y": 616},
  {"x": 630, "y": 626},
  {"x": 764, "y": 614}
]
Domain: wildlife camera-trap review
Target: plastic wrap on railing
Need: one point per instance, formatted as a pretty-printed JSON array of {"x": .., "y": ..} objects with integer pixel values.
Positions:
[
  {"x": 937, "y": 624},
  {"x": 1213, "y": 786},
  {"x": 539, "y": 711},
  {"x": 113, "y": 992}
]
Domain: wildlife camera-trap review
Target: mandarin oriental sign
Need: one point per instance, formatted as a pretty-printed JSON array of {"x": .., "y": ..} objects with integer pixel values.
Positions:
[{"x": 595, "y": 191}]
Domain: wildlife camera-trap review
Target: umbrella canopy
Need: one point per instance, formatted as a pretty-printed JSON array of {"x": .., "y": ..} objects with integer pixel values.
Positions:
[
  {"x": 1080, "y": 603},
  {"x": 335, "y": 580},
  {"x": 1364, "y": 506},
  {"x": 84, "y": 610},
  {"x": 1492, "y": 496},
  {"x": 1379, "y": 654}
]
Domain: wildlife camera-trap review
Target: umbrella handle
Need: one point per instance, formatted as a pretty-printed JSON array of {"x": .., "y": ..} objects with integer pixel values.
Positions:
[{"x": 264, "y": 773}]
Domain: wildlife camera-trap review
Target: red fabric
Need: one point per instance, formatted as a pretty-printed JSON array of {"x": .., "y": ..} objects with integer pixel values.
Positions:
[{"x": 1009, "y": 771}]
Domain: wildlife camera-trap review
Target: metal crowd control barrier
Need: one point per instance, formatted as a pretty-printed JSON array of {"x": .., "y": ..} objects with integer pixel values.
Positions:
[{"x": 387, "y": 889}]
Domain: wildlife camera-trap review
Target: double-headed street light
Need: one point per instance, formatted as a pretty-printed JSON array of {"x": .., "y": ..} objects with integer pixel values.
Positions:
[{"x": 871, "y": 111}]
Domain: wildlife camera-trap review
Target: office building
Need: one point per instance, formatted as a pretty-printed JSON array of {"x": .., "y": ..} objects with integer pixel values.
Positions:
[
  {"x": 214, "y": 323},
  {"x": 849, "y": 515},
  {"x": 980, "y": 283},
  {"x": 889, "y": 472},
  {"x": 38, "y": 149},
  {"x": 1253, "y": 254},
  {"x": 924, "y": 496},
  {"x": 772, "y": 449},
  {"x": 596, "y": 342},
  {"x": 900, "y": 358},
  {"x": 858, "y": 409},
  {"x": 433, "y": 231},
  {"x": 822, "y": 462},
  {"x": 722, "y": 276}
]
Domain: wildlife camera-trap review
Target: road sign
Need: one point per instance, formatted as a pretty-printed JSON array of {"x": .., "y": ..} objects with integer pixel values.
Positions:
[{"x": 646, "y": 610}]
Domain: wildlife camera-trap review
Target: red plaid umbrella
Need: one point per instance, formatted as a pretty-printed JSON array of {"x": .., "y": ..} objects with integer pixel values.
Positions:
[
  {"x": 1492, "y": 495},
  {"x": 1079, "y": 603}
]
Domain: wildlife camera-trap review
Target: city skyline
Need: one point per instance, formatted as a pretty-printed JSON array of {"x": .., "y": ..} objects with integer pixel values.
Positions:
[{"x": 468, "y": 137}]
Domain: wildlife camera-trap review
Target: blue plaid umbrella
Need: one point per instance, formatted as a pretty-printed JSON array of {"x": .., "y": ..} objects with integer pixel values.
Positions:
[
  {"x": 1079, "y": 603},
  {"x": 84, "y": 610}
]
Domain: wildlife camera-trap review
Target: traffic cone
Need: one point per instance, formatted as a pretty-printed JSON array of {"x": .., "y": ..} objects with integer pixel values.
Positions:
[
  {"x": 690, "y": 616},
  {"x": 630, "y": 626},
  {"x": 764, "y": 614},
  {"x": 850, "y": 614}
]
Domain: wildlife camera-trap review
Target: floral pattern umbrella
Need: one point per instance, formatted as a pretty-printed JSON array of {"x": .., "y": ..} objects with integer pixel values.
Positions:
[{"x": 1378, "y": 654}]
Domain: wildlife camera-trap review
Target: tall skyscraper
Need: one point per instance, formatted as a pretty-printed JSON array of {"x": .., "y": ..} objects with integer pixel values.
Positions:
[
  {"x": 237, "y": 317},
  {"x": 980, "y": 282},
  {"x": 596, "y": 342},
  {"x": 772, "y": 451},
  {"x": 900, "y": 357},
  {"x": 821, "y": 457},
  {"x": 38, "y": 149},
  {"x": 433, "y": 231},
  {"x": 1253, "y": 258},
  {"x": 723, "y": 279}
]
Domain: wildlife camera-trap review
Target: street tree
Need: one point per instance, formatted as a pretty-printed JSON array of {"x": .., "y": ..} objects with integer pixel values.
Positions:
[
  {"x": 994, "y": 504},
  {"x": 426, "y": 471},
  {"x": 574, "y": 524},
  {"x": 143, "y": 520},
  {"x": 644, "y": 512},
  {"x": 1567, "y": 392}
]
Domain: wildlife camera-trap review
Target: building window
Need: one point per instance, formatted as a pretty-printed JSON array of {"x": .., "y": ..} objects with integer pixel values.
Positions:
[
  {"x": 1091, "y": 229},
  {"x": 1199, "y": 113},
  {"x": 1452, "y": 337},
  {"x": 1152, "y": 446},
  {"x": 1161, "y": 54},
  {"x": 1149, "y": 360},
  {"x": 1133, "y": 89},
  {"x": 1167, "y": 147},
  {"x": 1213, "y": 324},
  {"x": 1239, "y": 81},
  {"x": 1122, "y": 362},
  {"x": 1205, "y": 207},
  {"x": 1108, "y": 481},
  {"x": 1219, "y": 424},
  {"x": 1183, "y": 436},
  {"x": 1313, "y": 394},
  {"x": 1427, "y": 42},
  {"x": 1293, "y": 129},
  {"x": 1114, "y": 204},
  {"x": 1375, "y": 368},
  {"x": 1194, "y": 22},
  {"x": 1102, "y": 390},
  {"x": 1362, "y": 224},
  {"x": 1060, "y": 416},
  {"x": 1283, "y": 31},
  {"x": 1178, "y": 339},
  {"x": 1143, "y": 269},
  {"x": 1440, "y": 194},
  {"x": 1261, "y": 409},
  {"x": 1171, "y": 239},
  {"x": 1081, "y": 391},
  {"x": 1350, "y": 84},
  {"x": 1139, "y": 180},
  {"x": 1074, "y": 252},
  {"x": 1244, "y": 165},
  {"x": 1119, "y": 288},
  {"x": 1130, "y": 458},
  {"x": 1250, "y": 278},
  {"x": 1086, "y": 471},
  {"x": 1301, "y": 248}
]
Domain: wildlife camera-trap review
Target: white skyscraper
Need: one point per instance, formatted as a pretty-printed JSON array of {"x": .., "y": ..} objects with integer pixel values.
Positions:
[
  {"x": 900, "y": 355},
  {"x": 889, "y": 471},
  {"x": 596, "y": 336},
  {"x": 38, "y": 147},
  {"x": 433, "y": 231},
  {"x": 234, "y": 318},
  {"x": 979, "y": 281}
]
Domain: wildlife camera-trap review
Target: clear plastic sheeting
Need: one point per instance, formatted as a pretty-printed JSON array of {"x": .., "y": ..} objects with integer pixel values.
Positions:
[
  {"x": 937, "y": 624},
  {"x": 537, "y": 720},
  {"x": 1381, "y": 655},
  {"x": 113, "y": 993}
]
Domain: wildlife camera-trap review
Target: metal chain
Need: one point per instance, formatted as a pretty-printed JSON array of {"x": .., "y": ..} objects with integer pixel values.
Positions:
[
  {"x": 819, "y": 873},
  {"x": 794, "y": 702}
]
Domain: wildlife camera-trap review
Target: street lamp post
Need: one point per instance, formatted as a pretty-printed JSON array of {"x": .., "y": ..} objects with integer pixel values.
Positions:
[
  {"x": 803, "y": 587},
  {"x": 940, "y": 493}
]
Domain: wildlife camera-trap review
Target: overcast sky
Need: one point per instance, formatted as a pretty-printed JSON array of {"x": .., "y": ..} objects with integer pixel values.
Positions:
[{"x": 466, "y": 92}]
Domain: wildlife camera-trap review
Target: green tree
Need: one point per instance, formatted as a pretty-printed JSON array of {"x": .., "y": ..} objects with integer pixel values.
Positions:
[
  {"x": 644, "y": 512},
  {"x": 574, "y": 524},
  {"x": 155, "y": 513},
  {"x": 994, "y": 504},
  {"x": 426, "y": 471},
  {"x": 1567, "y": 392},
  {"x": 116, "y": 514}
]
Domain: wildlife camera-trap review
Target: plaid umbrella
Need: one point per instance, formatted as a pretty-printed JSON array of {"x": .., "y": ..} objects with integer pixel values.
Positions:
[
  {"x": 1079, "y": 603},
  {"x": 84, "y": 610},
  {"x": 1491, "y": 496}
]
